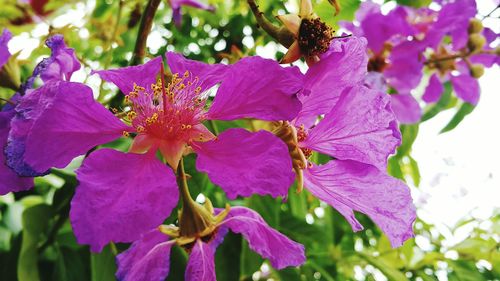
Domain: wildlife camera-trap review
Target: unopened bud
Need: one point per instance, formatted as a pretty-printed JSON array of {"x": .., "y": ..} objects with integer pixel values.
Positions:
[
  {"x": 475, "y": 26},
  {"x": 476, "y": 42},
  {"x": 497, "y": 51},
  {"x": 10, "y": 76},
  {"x": 476, "y": 70}
]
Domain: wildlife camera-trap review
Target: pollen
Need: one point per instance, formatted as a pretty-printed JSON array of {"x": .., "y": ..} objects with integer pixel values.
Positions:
[
  {"x": 125, "y": 134},
  {"x": 140, "y": 129},
  {"x": 314, "y": 36}
]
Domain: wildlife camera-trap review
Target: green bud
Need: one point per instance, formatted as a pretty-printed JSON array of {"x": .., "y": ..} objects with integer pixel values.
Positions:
[
  {"x": 476, "y": 42},
  {"x": 475, "y": 26},
  {"x": 10, "y": 76},
  {"x": 476, "y": 70}
]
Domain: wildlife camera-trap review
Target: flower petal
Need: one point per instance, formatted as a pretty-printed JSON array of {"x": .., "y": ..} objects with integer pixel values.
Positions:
[
  {"x": 406, "y": 108},
  {"x": 360, "y": 127},
  {"x": 269, "y": 243},
  {"x": 434, "y": 90},
  {"x": 62, "y": 62},
  {"x": 292, "y": 54},
  {"x": 405, "y": 56},
  {"x": 10, "y": 182},
  {"x": 4, "y": 49},
  {"x": 209, "y": 74},
  {"x": 342, "y": 67},
  {"x": 71, "y": 124},
  {"x": 292, "y": 22},
  {"x": 121, "y": 195},
  {"x": 148, "y": 259},
  {"x": 352, "y": 186},
  {"x": 466, "y": 88},
  {"x": 201, "y": 264},
  {"x": 124, "y": 78},
  {"x": 258, "y": 88},
  {"x": 244, "y": 163}
]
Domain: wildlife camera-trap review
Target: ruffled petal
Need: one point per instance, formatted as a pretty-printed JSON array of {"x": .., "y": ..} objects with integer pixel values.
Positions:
[
  {"x": 10, "y": 182},
  {"x": 148, "y": 259},
  {"x": 258, "y": 88},
  {"x": 404, "y": 71},
  {"x": 120, "y": 196},
  {"x": 4, "y": 49},
  {"x": 434, "y": 90},
  {"x": 201, "y": 264},
  {"x": 352, "y": 186},
  {"x": 406, "y": 108},
  {"x": 342, "y": 67},
  {"x": 71, "y": 123},
  {"x": 466, "y": 88},
  {"x": 360, "y": 127},
  {"x": 62, "y": 63},
  {"x": 209, "y": 74},
  {"x": 124, "y": 78},
  {"x": 266, "y": 241},
  {"x": 244, "y": 163}
]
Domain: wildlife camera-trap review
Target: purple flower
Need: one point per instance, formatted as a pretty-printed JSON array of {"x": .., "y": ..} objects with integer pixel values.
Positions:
[
  {"x": 168, "y": 118},
  {"x": 4, "y": 50},
  {"x": 148, "y": 259},
  {"x": 359, "y": 132},
  {"x": 177, "y": 4},
  {"x": 53, "y": 70}
]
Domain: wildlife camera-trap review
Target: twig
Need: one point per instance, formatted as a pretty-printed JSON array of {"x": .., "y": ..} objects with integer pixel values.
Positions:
[
  {"x": 490, "y": 13},
  {"x": 281, "y": 34}
]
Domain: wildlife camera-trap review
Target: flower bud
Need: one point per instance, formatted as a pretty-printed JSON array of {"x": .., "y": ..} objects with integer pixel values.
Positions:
[
  {"x": 476, "y": 70},
  {"x": 475, "y": 26},
  {"x": 497, "y": 51},
  {"x": 476, "y": 42}
]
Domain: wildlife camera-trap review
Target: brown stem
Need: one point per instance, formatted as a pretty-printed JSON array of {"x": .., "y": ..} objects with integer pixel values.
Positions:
[
  {"x": 452, "y": 57},
  {"x": 144, "y": 29},
  {"x": 281, "y": 34}
]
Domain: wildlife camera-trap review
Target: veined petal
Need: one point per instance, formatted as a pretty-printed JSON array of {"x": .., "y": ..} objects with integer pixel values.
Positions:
[
  {"x": 352, "y": 186},
  {"x": 258, "y": 88},
  {"x": 406, "y": 108},
  {"x": 209, "y": 74},
  {"x": 124, "y": 78},
  {"x": 466, "y": 88},
  {"x": 340, "y": 68},
  {"x": 120, "y": 196},
  {"x": 148, "y": 259},
  {"x": 71, "y": 123},
  {"x": 201, "y": 265},
  {"x": 11, "y": 182},
  {"x": 292, "y": 22},
  {"x": 360, "y": 127},
  {"x": 244, "y": 163},
  {"x": 269, "y": 243},
  {"x": 4, "y": 50},
  {"x": 433, "y": 90}
]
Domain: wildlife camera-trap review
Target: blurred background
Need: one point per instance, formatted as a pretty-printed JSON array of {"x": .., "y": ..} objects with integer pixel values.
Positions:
[{"x": 454, "y": 176}]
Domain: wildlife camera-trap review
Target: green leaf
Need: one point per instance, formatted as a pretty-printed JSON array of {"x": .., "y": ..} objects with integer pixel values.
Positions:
[
  {"x": 444, "y": 103},
  {"x": 463, "y": 111},
  {"x": 103, "y": 265},
  {"x": 35, "y": 221},
  {"x": 414, "y": 3},
  {"x": 326, "y": 11},
  {"x": 393, "y": 274}
]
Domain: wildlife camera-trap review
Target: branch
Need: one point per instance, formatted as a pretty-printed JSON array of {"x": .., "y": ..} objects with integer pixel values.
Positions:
[
  {"x": 144, "y": 29},
  {"x": 281, "y": 34}
]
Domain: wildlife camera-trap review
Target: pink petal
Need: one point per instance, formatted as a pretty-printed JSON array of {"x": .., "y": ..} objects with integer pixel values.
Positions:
[
  {"x": 434, "y": 90},
  {"x": 340, "y": 68},
  {"x": 406, "y": 108},
  {"x": 360, "y": 127},
  {"x": 269, "y": 243},
  {"x": 352, "y": 186},
  {"x": 72, "y": 123},
  {"x": 201, "y": 265},
  {"x": 258, "y": 88},
  {"x": 124, "y": 78},
  {"x": 244, "y": 163},
  {"x": 466, "y": 88},
  {"x": 148, "y": 259},
  {"x": 120, "y": 196}
]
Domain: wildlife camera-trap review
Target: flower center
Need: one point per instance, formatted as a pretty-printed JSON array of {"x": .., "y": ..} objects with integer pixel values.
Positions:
[
  {"x": 314, "y": 36},
  {"x": 377, "y": 63},
  {"x": 168, "y": 112}
]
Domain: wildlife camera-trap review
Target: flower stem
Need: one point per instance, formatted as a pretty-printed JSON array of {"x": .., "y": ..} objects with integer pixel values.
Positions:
[{"x": 281, "y": 34}]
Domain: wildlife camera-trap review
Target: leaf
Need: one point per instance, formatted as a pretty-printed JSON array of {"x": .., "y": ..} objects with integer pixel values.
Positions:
[
  {"x": 393, "y": 274},
  {"x": 463, "y": 111},
  {"x": 227, "y": 258},
  {"x": 35, "y": 221},
  {"x": 326, "y": 12},
  {"x": 103, "y": 265},
  {"x": 414, "y": 3},
  {"x": 443, "y": 103}
]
